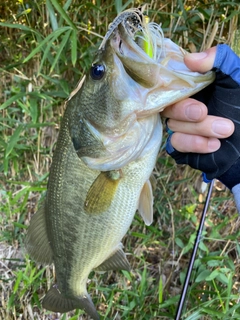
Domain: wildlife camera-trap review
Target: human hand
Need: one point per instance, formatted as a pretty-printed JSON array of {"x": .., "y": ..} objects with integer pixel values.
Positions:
[
  {"x": 222, "y": 98},
  {"x": 195, "y": 130}
]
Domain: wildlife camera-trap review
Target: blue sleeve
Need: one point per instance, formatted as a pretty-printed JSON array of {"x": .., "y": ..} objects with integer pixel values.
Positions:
[{"x": 227, "y": 62}]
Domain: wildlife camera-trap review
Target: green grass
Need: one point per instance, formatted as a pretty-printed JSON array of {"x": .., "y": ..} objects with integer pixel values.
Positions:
[{"x": 46, "y": 47}]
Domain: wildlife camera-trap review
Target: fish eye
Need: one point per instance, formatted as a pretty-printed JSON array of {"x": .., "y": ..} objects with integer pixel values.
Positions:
[{"x": 97, "y": 71}]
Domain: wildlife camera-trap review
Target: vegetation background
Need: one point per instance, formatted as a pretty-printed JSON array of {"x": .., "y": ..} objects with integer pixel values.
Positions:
[{"x": 45, "y": 48}]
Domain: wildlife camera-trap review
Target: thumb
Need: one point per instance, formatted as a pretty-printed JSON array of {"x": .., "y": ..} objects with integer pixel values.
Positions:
[{"x": 202, "y": 61}]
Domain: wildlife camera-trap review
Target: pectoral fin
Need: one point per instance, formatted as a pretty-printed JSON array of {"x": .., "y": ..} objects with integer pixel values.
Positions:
[
  {"x": 37, "y": 242},
  {"x": 102, "y": 191},
  {"x": 57, "y": 302},
  {"x": 116, "y": 261},
  {"x": 145, "y": 206}
]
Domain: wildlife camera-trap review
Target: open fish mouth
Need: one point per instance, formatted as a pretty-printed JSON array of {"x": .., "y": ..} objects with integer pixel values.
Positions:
[{"x": 138, "y": 42}]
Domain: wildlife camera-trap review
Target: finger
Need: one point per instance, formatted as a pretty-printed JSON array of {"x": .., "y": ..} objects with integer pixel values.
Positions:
[
  {"x": 202, "y": 61},
  {"x": 192, "y": 143},
  {"x": 186, "y": 110},
  {"x": 211, "y": 126}
]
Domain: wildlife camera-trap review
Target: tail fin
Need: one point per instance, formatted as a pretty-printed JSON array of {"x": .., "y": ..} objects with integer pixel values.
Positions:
[{"x": 56, "y": 302}]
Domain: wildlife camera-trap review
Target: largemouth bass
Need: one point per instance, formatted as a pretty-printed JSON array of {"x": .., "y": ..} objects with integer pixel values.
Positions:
[{"x": 106, "y": 150}]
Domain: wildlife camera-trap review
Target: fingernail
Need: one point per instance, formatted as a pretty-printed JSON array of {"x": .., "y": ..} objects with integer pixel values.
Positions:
[
  {"x": 198, "y": 56},
  {"x": 221, "y": 127},
  {"x": 213, "y": 144},
  {"x": 193, "y": 112}
]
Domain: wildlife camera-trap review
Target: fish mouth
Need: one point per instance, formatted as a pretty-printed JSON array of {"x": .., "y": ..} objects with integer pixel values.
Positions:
[
  {"x": 132, "y": 45},
  {"x": 137, "y": 44},
  {"x": 149, "y": 58}
]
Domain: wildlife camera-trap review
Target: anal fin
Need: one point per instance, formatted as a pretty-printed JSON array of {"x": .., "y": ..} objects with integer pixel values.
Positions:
[
  {"x": 36, "y": 242},
  {"x": 57, "y": 302},
  {"x": 116, "y": 261},
  {"x": 145, "y": 206}
]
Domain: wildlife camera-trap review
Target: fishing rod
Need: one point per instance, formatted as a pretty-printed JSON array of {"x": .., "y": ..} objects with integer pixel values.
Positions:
[{"x": 194, "y": 252}]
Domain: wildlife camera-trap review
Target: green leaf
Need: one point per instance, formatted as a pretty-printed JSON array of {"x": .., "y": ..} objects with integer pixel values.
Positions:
[
  {"x": 187, "y": 247},
  {"x": 20, "y": 225},
  {"x": 65, "y": 86},
  {"x": 47, "y": 55},
  {"x": 213, "y": 312},
  {"x": 17, "y": 283},
  {"x": 229, "y": 286},
  {"x": 205, "y": 12},
  {"x": 143, "y": 282},
  {"x": 120, "y": 6},
  {"x": 214, "y": 263},
  {"x": 234, "y": 13},
  {"x": 238, "y": 247},
  {"x": 203, "y": 247},
  {"x": 60, "y": 49},
  {"x": 18, "y": 26},
  {"x": 67, "y": 4},
  {"x": 222, "y": 278},
  {"x": 212, "y": 275},
  {"x": 169, "y": 302},
  {"x": 74, "y": 47},
  {"x": 211, "y": 257},
  {"x": 191, "y": 208},
  {"x": 13, "y": 140},
  {"x": 52, "y": 15},
  {"x": 195, "y": 316},
  {"x": 127, "y": 275},
  {"x": 11, "y": 301},
  {"x": 33, "y": 109},
  {"x": 139, "y": 235},
  {"x": 63, "y": 14},
  {"x": 160, "y": 290},
  {"x": 202, "y": 276},
  {"x": 179, "y": 242},
  {"x": 230, "y": 264},
  {"x": 36, "y": 300},
  {"x": 49, "y": 39},
  {"x": 38, "y": 275},
  {"x": 12, "y": 99},
  {"x": 5, "y": 166}
]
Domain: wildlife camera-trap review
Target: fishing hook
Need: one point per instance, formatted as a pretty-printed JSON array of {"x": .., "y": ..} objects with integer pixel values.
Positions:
[{"x": 194, "y": 252}]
